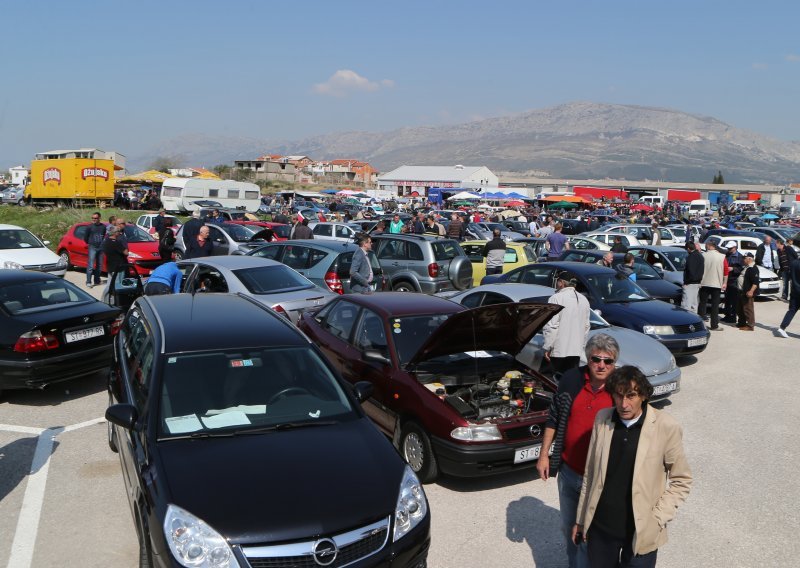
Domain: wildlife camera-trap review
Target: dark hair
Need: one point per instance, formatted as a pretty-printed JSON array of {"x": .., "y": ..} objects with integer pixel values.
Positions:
[
  {"x": 621, "y": 378},
  {"x": 362, "y": 238},
  {"x": 305, "y": 221},
  {"x": 628, "y": 258}
]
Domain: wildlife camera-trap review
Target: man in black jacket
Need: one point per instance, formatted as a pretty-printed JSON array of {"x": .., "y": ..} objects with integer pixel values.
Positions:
[
  {"x": 764, "y": 254},
  {"x": 692, "y": 276},
  {"x": 748, "y": 288},
  {"x": 95, "y": 235},
  {"x": 794, "y": 299},
  {"x": 786, "y": 255},
  {"x": 735, "y": 266}
]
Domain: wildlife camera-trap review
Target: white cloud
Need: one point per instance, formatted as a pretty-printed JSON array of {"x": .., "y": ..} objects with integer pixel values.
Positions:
[
  {"x": 346, "y": 81},
  {"x": 793, "y": 57}
]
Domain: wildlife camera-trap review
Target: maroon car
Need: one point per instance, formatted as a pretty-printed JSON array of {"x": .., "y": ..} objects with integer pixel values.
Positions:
[{"x": 447, "y": 387}]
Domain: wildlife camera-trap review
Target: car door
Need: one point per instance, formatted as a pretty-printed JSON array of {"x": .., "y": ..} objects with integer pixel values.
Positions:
[
  {"x": 541, "y": 274},
  {"x": 220, "y": 240},
  {"x": 296, "y": 257},
  {"x": 271, "y": 252},
  {"x": 370, "y": 335},
  {"x": 475, "y": 255},
  {"x": 323, "y": 231},
  {"x": 78, "y": 249},
  {"x": 344, "y": 233},
  {"x": 337, "y": 326}
]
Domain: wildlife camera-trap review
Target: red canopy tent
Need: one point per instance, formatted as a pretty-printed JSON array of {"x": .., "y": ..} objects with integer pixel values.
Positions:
[{"x": 641, "y": 207}]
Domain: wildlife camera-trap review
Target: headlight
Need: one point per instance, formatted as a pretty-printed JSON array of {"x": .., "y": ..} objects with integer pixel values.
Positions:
[
  {"x": 61, "y": 262},
  {"x": 658, "y": 330},
  {"x": 133, "y": 255},
  {"x": 412, "y": 506},
  {"x": 476, "y": 433},
  {"x": 672, "y": 363},
  {"x": 10, "y": 264},
  {"x": 193, "y": 543}
]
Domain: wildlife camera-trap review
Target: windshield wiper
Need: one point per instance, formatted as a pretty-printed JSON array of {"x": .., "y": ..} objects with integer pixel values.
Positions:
[{"x": 247, "y": 431}]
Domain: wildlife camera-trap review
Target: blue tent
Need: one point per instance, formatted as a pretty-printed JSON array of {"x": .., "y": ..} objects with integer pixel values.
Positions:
[
  {"x": 329, "y": 191},
  {"x": 516, "y": 195}
]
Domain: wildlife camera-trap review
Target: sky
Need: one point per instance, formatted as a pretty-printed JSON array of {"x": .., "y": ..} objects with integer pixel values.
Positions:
[{"x": 128, "y": 75}]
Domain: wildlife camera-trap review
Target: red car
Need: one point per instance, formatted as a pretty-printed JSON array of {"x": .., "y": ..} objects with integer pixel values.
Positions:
[
  {"x": 281, "y": 230},
  {"x": 447, "y": 388},
  {"x": 142, "y": 248}
]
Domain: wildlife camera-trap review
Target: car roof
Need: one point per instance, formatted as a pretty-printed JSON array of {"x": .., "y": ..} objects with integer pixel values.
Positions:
[
  {"x": 193, "y": 322},
  {"x": 404, "y": 304},
  {"x": 658, "y": 248},
  {"x": 514, "y": 290},
  {"x": 9, "y": 277},
  {"x": 335, "y": 246},
  {"x": 6, "y": 227},
  {"x": 580, "y": 267}
]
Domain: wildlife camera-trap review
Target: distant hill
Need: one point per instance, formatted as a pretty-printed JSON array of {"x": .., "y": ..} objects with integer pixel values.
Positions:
[{"x": 576, "y": 140}]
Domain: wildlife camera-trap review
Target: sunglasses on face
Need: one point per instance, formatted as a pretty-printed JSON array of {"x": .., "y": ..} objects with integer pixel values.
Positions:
[{"x": 605, "y": 360}]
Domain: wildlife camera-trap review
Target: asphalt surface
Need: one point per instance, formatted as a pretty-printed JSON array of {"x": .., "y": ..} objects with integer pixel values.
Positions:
[{"x": 736, "y": 405}]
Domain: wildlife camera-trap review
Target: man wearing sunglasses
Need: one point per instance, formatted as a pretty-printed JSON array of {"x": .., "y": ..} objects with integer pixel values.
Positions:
[{"x": 581, "y": 395}]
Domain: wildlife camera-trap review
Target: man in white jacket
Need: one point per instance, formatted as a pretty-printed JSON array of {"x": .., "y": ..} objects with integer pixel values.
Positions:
[{"x": 565, "y": 334}]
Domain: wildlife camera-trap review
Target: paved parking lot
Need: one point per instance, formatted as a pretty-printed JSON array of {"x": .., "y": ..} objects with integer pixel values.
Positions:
[{"x": 62, "y": 501}]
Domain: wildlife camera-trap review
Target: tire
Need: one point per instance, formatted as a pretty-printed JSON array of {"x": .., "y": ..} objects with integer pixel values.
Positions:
[
  {"x": 112, "y": 435},
  {"x": 145, "y": 552},
  {"x": 460, "y": 272},
  {"x": 404, "y": 287},
  {"x": 63, "y": 253},
  {"x": 416, "y": 449}
]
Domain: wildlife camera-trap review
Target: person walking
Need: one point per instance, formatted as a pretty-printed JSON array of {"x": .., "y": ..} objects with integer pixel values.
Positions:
[
  {"x": 581, "y": 395},
  {"x": 636, "y": 478},
  {"x": 748, "y": 282},
  {"x": 692, "y": 276},
  {"x": 556, "y": 243},
  {"x": 165, "y": 279},
  {"x": 794, "y": 297},
  {"x": 786, "y": 255},
  {"x": 94, "y": 238},
  {"x": 361, "y": 274},
  {"x": 713, "y": 283},
  {"x": 455, "y": 230},
  {"x": 201, "y": 245},
  {"x": 735, "y": 267},
  {"x": 565, "y": 333},
  {"x": 495, "y": 253},
  {"x": 626, "y": 269},
  {"x": 158, "y": 221}
]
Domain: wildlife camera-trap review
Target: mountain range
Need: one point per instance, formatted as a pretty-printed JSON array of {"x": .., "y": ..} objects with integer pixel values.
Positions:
[{"x": 579, "y": 140}]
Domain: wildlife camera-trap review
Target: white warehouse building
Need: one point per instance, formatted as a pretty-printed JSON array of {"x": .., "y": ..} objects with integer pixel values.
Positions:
[{"x": 414, "y": 181}]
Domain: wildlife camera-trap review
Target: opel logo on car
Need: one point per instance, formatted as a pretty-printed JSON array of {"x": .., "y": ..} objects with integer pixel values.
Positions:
[
  {"x": 535, "y": 430},
  {"x": 325, "y": 551},
  {"x": 85, "y": 319},
  {"x": 691, "y": 327}
]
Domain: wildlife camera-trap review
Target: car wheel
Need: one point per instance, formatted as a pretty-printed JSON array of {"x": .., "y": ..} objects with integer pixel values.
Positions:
[
  {"x": 416, "y": 449},
  {"x": 145, "y": 552},
  {"x": 65, "y": 257},
  {"x": 403, "y": 287}
]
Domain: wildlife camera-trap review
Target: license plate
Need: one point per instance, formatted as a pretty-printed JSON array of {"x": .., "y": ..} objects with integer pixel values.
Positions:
[
  {"x": 661, "y": 389},
  {"x": 81, "y": 334},
  {"x": 771, "y": 285},
  {"x": 697, "y": 341},
  {"x": 527, "y": 454}
]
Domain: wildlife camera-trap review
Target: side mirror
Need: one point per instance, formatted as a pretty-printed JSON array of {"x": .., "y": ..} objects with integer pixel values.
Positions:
[
  {"x": 598, "y": 312},
  {"x": 46, "y": 243},
  {"x": 123, "y": 415},
  {"x": 377, "y": 356},
  {"x": 363, "y": 390}
]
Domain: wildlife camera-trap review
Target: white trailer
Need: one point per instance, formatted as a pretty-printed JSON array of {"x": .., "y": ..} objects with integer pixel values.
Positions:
[{"x": 179, "y": 195}]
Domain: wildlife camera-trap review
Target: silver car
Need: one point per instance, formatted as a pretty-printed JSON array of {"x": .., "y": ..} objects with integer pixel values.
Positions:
[
  {"x": 635, "y": 348},
  {"x": 12, "y": 195},
  {"x": 266, "y": 281}
]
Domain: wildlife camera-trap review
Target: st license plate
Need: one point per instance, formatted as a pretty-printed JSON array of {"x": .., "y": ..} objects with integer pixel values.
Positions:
[
  {"x": 697, "y": 341},
  {"x": 527, "y": 454},
  {"x": 663, "y": 389},
  {"x": 81, "y": 334}
]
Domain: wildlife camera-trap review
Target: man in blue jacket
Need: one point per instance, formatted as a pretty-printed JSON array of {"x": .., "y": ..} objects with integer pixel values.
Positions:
[{"x": 166, "y": 279}]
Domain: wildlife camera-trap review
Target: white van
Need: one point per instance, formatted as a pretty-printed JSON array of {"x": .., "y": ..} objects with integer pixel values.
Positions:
[
  {"x": 652, "y": 200},
  {"x": 178, "y": 195},
  {"x": 700, "y": 207}
]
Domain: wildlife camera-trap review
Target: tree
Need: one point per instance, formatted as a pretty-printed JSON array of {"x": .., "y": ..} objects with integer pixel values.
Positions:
[
  {"x": 222, "y": 170},
  {"x": 164, "y": 164},
  {"x": 718, "y": 178}
]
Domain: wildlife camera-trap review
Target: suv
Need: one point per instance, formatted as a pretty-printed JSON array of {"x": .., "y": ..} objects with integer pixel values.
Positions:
[{"x": 422, "y": 263}]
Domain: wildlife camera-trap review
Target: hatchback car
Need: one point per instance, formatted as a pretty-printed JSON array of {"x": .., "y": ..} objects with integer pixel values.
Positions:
[
  {"x": 325, "y": 263},
  {"x": 226, "y": 238},
  {"x": 142, "y": 248},
  {"x": 446, "y": 385},
  {"x": 341, "y": 232},
  {"x": 51, "y": 330},
  {"x": 670, "y": 260},
  {"x": 609, "y": 238},
  {"x": 21, "y": 249},
  {"x": 13, "y": 195},
  {"x": 517, "y": 254},
  {"x": 229, "y": 430},
  {"x": 621, "y": 302},
  {"x": 147, "y": 222},
  {"x": 269, "y": 282}
]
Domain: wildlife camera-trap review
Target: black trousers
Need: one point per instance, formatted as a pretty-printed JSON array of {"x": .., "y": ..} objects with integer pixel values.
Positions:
[
  {"x": 707, "y": 294},
  {"x": 606, "y": 551},
  {"x": 156, "y": 289},
  {"x": 731, "y": 299},
  {"x": 564, "y": 364}
]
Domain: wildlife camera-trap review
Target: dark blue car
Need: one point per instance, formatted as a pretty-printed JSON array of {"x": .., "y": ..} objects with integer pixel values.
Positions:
[{"x": 621, "y": 302}]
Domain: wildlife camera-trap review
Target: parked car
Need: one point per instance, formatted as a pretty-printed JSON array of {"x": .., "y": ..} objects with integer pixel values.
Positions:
[
  {"x": 585, "y": 243},
  {"x": 13, "y": 195},
  {"x": 648, "y": 277},
  {"x": 609, "y": 237},
  {"x": 142, "y": 248},
  {"x": 770, "y": 282},
  {"x": 239, "y": 416},
  {"x": 325, "y": 263},
  {"x": 422, "y": 263},
  {"x": 644, "y": 233},
  {"x": 51, "y": 330},
  {"x": 681, "y": 232},
  {"x": 539, "y": 245},
  {"x": 439, "y": 374},
  {"x": 341, "y": 232},
  {"x": 670, "y": 260},
  {"x": 21, "y": 249},
  {"x": 621, "y": 302},
  {"x": 485, "y": 231},
  {"x": 280, "y": 231},
  {"x": 517, "y": 254},
  {"x": 146, "y": 222},
  {"x": 226, "y": 213},
  {"x": 635, "y": 348},
  {"x": 777, "y": 233},
  {"x": 227, "y": 238},
  {"x": 520, "y": 227}
]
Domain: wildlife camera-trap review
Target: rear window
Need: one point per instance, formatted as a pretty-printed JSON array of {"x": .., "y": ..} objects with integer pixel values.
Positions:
[
  {"x": 272, "y": 279},
  {"x": 530, "y": 253},
  {"x": 446, "y": 250},
  {"x": 41, "y": 295}
]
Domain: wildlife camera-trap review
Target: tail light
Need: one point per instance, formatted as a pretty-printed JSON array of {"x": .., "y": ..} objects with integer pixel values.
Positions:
[
  {"x": 333, "y": 282},
  {"x": 35, "y": 341},
  {"x": 433, "y": 270},
  {"x": 116, "y": 324},
  {"x": 278, "y": 308}
]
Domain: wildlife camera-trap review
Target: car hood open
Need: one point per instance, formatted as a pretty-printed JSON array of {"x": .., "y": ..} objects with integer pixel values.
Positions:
[{"x": 502, "y": 327}]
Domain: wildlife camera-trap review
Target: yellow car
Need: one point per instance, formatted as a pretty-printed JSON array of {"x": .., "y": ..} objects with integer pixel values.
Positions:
[{"x": 517, "y": 254}]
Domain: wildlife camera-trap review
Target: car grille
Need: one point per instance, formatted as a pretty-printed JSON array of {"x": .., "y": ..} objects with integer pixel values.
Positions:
[
  {"x": 682, "y": 329},
  {"x": 353, "y": 546},
  {"x": 42, "y": 267}
]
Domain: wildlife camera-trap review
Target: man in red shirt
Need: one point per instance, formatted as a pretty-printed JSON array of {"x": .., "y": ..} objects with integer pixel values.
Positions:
[{"x": 581, "y": 394}]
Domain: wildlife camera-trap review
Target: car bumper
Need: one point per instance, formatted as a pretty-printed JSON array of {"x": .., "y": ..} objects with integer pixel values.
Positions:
[
  {"x": 462, "y": 460},
  {"x": 435, "y": 287},
  {"x": 38, "y": 373},
  {"x": 684, "y": 344},
  {"x": 665, "y": 384},
  {"x": 771, "y": 288}
]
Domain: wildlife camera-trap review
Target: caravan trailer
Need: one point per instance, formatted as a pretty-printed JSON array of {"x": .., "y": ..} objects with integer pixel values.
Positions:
[{"x": 178, "y": 195}]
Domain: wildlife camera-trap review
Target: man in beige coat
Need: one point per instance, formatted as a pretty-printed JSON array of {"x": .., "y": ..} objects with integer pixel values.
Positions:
[{"x": 636, "y": 477}]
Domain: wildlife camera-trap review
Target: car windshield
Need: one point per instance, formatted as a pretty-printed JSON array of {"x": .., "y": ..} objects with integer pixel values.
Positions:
[
  {"x": 240, "y": 233},
  {"x": 135, "y": 234},
  {"x": 412, "y": 331},
  {"x": 237, "y": 391},
  {"x": 613, "y": 288},
  {"x": 677, "y": 257},
  {"x": 41, "y": 295},
  {"x": 272, "y": 279},
  {"x": 15, "y": 239},
  {"x": 644, "y": 271}
]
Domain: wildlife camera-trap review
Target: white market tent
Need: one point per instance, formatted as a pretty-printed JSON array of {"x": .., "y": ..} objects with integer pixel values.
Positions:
[{"x": 464, "y": 195}]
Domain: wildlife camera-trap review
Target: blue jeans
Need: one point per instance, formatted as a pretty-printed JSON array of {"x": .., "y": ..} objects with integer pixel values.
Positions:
[
  {"x": 569, "y": 491},
  {"x": 94, "y": 265}
]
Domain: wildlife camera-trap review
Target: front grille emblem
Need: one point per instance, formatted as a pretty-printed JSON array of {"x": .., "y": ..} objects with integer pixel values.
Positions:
[
  {"x": 325, "y": 551},
  {"x": 535, "y": 430}
]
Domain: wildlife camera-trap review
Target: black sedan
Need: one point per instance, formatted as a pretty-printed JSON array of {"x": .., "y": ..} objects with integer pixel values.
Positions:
[
  {"x": 51, "y": 330},
  {"x": 621, "y": 302},
  {"x": 240, "y": 446}
]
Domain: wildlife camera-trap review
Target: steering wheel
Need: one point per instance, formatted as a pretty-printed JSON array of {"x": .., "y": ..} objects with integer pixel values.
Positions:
[{"x": 288, "y": 391}]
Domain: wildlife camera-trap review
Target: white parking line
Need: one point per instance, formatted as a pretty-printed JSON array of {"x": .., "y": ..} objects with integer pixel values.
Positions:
[{"x": 22, "y": 548}]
